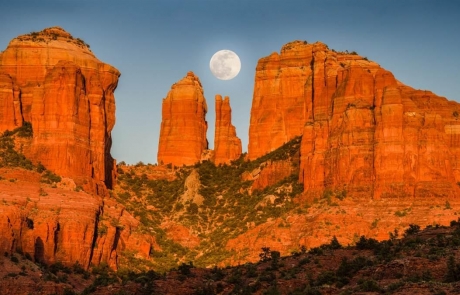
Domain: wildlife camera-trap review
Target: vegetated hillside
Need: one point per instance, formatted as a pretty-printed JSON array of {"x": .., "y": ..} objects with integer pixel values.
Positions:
[
  {"x": 413, "y": 262},
  {"x": 194, "y": 215},
  {"x": 51, "y": 219},
  {"x": 224, "y": 215},
  {"x": 10, "y": 157}
]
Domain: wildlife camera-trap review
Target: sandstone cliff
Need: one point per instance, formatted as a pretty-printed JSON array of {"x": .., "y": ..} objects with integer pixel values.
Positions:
[
  {"x": 183, "y": 125},
  {"x": 55, "y": 82},
  {"x": 227, "y": 146},
  {"x": 58, "y": 224},
  {"x": 363, "y": 131}
]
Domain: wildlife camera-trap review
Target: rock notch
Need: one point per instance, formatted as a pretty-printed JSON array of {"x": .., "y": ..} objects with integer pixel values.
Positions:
[
  {"x": 183, "y": 125},
  {"x": 55, "y": 82},
  {"x": 227, "y": 146}
]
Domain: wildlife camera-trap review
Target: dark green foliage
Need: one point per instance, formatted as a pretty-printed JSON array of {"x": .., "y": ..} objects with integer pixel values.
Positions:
[
  {"x": 286, "y": 151},
  {"x": 365, "y": 243},
  {"x": 235, "y": 276},
  {"x": 184, "y": 269},
  {"x": 78, "y": 269},
  {"x": 350, "y": 268},
  {"x": 425, "y": 276},
  {"x": 275, "y": 257},
  {"x": 311, "y": 291},
  {"x": 333, "y": 245},
  {"x": 25, "y": 130},
  {"x": 9, "y": 157},
  {"x": 266, "y": 254},
  {"x": 217, "y": 274},
  {"x": 40, "y": 167},
  {"x": 14, "y": 259},
  {"x": 227, "y": 209},
  {"x": 326, "y": 278},
  {"x": 59, "y": 267},
  {"x": 272, "y": 290},
  {"x": 50, "y": 178},
  {"x": 368, "y": 286},
  {"x": 304, "y": 261},
  {"x": 316, "y": 251},
  {"x": 395, "y": 286},
  {"x": 453, "y": 270},
  {"x": 413, "y": 229},
  {"x": 69, "y": 292},
  {"x": 104, "y": 276}
]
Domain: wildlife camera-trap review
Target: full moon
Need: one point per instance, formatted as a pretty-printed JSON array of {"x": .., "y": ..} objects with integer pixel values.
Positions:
[{"x": 225, "y": 64}]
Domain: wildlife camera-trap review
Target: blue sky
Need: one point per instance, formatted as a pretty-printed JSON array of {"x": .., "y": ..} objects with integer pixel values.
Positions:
[{"x": 154, "y": 43}]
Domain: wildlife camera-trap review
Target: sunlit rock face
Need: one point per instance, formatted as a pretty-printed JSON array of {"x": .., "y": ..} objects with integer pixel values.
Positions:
[
  {"x": 58, "y": 224},
  {"x": 362, "y": 130},
  {"x": 55, "y": 82},
  {"x": 183, "y": 125},
  {"x": 227, "y": 146}
]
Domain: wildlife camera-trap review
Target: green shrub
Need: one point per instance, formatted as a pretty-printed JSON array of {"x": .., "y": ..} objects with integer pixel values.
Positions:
[
  {"x": 184, "y": 269},
  {"x": 364, "y": 243},
  {"x": 326, "y": 278},
  {"x": 453, "y": 270},
  {"x": 25, "y": 130},
  {"x": 50, "y": 178},
  {"x": 413, "y": 229},
  {"x": 14, "y": 259},
  {"x": 368, "y": 286}
]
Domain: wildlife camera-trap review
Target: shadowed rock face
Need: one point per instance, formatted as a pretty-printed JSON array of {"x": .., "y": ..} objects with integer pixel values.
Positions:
[
  {"x": 55, "y": 82},
  {"x": 363, "y": 131},
  {"x": 183, "y": 125},
  {"x": 227, "y": 146}
]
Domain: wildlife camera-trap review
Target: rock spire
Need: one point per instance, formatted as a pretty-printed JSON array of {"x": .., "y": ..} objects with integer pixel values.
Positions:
[
  {"x": 183, "y": 125},
  {"x": 227, "y": 146}
]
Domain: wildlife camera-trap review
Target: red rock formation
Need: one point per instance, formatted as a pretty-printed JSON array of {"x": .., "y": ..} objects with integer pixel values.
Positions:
[
  {"x": 60, "y": 224},
  {"x": 279, "y": 103},
  {"x": 271, "y": 173},
  {"x": 180, "y": 234},
  {"x": 227, "y": 146},
  {"x": 55, "y": 82},
  {"x": 347, "y": 220},
  {"x": 363, "y": 131},
  {"x": 183, "y": 125}
]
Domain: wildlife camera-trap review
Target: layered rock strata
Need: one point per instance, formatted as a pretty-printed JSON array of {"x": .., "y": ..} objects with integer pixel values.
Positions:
[
  {"x": 362, "y": 130},
  {"x": 49, "y": 224},
  {"x": 227, "y": 146},
  {"x": 55, "y": 82},
  {"x": 183, "y": 125}
]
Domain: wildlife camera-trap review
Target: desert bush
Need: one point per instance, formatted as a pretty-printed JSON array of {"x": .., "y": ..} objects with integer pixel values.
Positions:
[
  {"x": 365, "y": 243},
  {"x": 453, "y": 270},
  {"x": 413, "y": 229},
  {"x": 49, "y": 177},
  {"x": 368, "y": 285}
]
